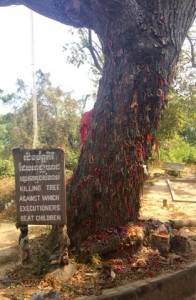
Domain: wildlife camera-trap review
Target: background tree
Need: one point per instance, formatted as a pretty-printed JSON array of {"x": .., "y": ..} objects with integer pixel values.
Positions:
[
  {"x": 176, "y": 134},
  {"x": 141, "y": 42},
  {"x": 185, "y": 87},
  {"x": 58, "y": 119}
]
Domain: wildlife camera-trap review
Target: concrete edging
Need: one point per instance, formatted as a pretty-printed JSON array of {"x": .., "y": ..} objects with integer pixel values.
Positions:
[
  {"x": 173, "y": 195},
  {"x": 170, "y": 286}
]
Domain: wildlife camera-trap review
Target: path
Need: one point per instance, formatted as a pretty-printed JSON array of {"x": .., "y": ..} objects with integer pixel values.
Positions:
[
  {"x": 9, "y": 246},
  {"x": 157, "y": 191}
]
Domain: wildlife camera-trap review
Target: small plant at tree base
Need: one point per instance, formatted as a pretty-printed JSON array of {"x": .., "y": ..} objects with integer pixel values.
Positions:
[{"x": 42, "y": 265}]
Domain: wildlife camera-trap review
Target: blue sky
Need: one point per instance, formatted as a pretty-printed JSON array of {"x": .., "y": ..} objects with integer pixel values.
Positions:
[{"x": 49, "y": 38}]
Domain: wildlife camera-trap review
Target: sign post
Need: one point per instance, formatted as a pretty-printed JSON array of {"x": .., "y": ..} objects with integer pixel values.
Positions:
[{"x": 40, "y": 187}]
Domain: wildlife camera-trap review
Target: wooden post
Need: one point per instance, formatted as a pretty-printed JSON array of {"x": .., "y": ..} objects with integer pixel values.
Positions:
[
  {"x": 164, "y": 202},
  {"x": 24, "y": 244},
  {"x": 64, "y": 245}
]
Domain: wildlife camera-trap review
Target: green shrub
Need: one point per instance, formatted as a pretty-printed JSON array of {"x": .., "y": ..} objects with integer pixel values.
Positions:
[
  {"x": 71, "y": 159},
  {"x": 178, "y": 150},
  {"x": 6, "y": 168}
]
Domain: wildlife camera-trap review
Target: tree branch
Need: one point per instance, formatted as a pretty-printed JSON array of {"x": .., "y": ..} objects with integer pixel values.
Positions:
[
  {"x": 92, "y": 14},
  {"x": 9, "y": 2},
  {"x": 193, "y": 62},
  {"x": 77, "y": 13},
  {"x": 91, "y": 49}
]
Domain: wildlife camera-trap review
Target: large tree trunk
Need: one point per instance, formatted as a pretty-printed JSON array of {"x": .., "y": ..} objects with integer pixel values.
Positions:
[
  {"x": 140, "y": 55},
  {"x": 141, "y": 42}
]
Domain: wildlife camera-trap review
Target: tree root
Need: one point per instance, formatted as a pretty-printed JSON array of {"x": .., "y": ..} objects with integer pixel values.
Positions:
[
  {"x": 177, "y": 224},
  {"x": 164, "y": 236}
]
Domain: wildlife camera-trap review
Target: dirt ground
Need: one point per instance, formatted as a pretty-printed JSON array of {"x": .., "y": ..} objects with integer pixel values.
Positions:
[
  {"x": 157, "y": 192},
  {"x": 9, "y": 249},
  {"x": 156, "y": 203}
]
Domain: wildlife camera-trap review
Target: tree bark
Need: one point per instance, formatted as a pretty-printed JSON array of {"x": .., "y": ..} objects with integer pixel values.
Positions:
[
  {"x": 140, "y": 56},
  {"x": 141, "y": 42}
]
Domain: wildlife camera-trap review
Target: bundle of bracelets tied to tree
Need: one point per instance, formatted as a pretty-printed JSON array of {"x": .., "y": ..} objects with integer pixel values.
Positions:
[{"x": 123, "y": 142}]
